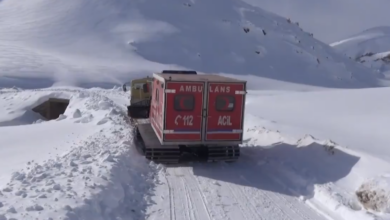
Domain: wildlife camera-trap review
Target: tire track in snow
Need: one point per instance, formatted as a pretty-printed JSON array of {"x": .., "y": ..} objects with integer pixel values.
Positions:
[
  {"x": 171, "y": 200},
  {"x": 190, "y": 207},
  {"x": 179, "y": 199},
  {"x": 242, "y": 197},
  {"x": 215, "y": 211},
  {"x": 282, "y": 206},
  {"x": 249, "y": 201},
  {"x": 198, "y": 202},
  {"x": 230, "y": 192},
  {"x": 187, "y": 201},
  {"x": 260, "y": 208},
  {"x": 228, "y": 195},
  {"x": 203, "y": 197}
]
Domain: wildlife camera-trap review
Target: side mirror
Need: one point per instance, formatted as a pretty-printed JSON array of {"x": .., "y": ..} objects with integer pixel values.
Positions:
[{"x": 124, "y": 88}]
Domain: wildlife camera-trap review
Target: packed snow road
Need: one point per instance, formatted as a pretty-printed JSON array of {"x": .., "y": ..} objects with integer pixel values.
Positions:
[{"x": 225, "y": 191}]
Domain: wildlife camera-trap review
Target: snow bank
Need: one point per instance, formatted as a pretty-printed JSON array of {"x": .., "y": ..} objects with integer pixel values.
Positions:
[
  {"x": 16, "y": 105},
  {"x": 96, "y": 174},
  {"x": 89, "y": 43},
  {"x": 322, "y": 173},
  {"x": 355, "y": 118}
]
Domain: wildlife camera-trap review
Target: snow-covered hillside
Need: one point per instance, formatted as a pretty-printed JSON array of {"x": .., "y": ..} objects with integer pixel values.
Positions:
[
  {"x": 370, "y": 47},
  {"x": 330, "y": 20},
  {"x": 88, "y": 41}
]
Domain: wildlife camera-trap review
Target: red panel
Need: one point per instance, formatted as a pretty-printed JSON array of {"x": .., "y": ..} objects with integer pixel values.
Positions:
[
  {"x": 225, "y": 110},
  {"x": 183, "y": 118}
]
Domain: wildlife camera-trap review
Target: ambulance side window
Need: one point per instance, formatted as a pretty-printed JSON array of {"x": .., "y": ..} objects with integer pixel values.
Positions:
[
  {"x": 184, "y": 103},
  {"x": 225, "y": 103}
]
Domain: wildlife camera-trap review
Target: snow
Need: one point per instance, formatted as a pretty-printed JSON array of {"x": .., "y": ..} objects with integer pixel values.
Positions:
[
  {"x": 78, "y": 165},
  {"x": 304, "y": 157},
  {"x": 370, "y": 47},
  {"x": 347, "y": 17},
  {"x": 89, "y": 43},
  {"x": 315, "y": 130},
  {"x": 341, "y": 139},
  {"x": 353, "y": 114}
]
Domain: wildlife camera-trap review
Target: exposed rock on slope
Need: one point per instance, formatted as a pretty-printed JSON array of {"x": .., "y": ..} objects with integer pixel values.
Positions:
[{"x": 370, "y": 47}]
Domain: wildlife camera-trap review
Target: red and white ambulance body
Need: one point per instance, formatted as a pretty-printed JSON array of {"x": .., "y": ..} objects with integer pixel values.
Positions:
[
  {"x": 194, "y": 111},
  {"x": 197, "y": 109}
]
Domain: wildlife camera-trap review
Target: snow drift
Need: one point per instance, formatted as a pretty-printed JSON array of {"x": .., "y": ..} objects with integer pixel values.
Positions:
[
  {"x": 370, "y": 47},
  {"x": 109, "y": 42},
  {"x": 79, "y": 166},
  {"x": 340, "y": 133}
]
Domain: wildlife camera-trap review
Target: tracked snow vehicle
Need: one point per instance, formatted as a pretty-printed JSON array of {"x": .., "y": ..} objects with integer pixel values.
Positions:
[
  {"x": 141, "y": 94},
  {"x": 189, "y": 116}
]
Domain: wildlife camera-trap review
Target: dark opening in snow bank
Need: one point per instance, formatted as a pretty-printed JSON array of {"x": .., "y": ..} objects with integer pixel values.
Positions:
[{"x": 52, "y": 108}]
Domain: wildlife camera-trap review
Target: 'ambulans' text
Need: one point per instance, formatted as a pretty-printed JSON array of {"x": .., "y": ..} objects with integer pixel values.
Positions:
[
  {"x": 191, "y": 88},
  {"x": 220, "y": 89},
  {"x": 212, "y": 89}
]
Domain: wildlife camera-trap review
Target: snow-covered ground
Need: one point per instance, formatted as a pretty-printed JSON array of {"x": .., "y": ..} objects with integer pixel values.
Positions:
[
  {"x": 307, "y": 154},
  {"x": 311, "y": 151},
  {"x": 370, "y": 47},
  {"x": 329, "y": 142},
  {"x": 81, "y": 164}
]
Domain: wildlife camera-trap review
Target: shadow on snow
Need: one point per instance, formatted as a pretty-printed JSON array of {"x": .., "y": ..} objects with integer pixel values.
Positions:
[{"x": 283, "y": 168}]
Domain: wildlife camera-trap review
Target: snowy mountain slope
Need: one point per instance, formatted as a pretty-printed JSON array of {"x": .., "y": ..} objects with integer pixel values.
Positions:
[
  {"x": 347, "y": 17},
  {"x": 370, "y": 47},
  {"x": 86, "y": 42}
]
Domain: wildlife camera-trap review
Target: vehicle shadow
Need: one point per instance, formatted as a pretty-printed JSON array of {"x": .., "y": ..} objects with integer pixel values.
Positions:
[{"x": 282, "y": 168}]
